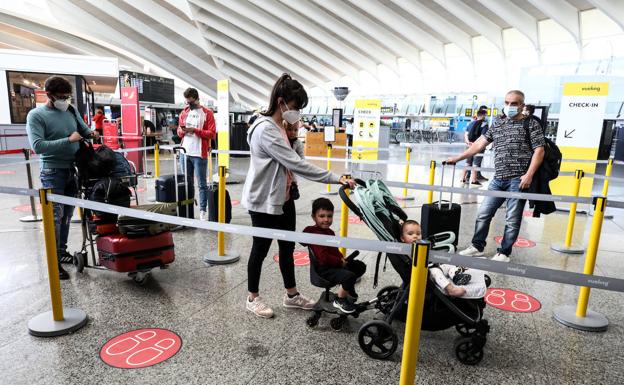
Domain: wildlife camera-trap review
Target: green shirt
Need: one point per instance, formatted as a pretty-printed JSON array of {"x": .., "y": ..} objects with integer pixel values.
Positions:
[{"x": 48, "y": 133}]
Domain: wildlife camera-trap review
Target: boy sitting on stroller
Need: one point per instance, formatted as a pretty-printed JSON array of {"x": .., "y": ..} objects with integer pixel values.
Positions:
[
  {"x": 331, "y": 264},
  {"x": 411, "y": 232}
]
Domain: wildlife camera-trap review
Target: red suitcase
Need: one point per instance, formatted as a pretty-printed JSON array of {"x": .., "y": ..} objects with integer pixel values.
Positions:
[{"x": 120, "y": 253}]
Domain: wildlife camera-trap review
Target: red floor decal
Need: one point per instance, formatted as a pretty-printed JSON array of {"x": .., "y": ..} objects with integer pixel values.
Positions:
[
  {"x": 355, "y": 220},
  {"x": 520, "y": 242},
  {"x": 7, "y": 172},
  {"x": 141, "y": 189},
  {"x": 511, "y": 300},
  {"x": 301, "y": 258},
  {"x": 26, "y": 208},
  {"x": 235, "y": 202},
  {"x": 140, "y": 348},
  {"x": 527, "y": 213}
]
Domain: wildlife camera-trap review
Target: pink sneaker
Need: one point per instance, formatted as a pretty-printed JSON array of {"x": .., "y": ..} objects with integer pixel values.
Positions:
[
  {"x": 259, "y": 308},
  {"x": 298, "y": 302}
]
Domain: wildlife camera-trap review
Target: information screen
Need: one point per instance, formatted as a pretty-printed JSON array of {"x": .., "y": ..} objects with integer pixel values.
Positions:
[{"x": 151, "y": 88}]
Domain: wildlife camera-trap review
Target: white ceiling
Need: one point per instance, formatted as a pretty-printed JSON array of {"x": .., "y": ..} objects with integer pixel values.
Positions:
[{"x": 251, "y": 42}]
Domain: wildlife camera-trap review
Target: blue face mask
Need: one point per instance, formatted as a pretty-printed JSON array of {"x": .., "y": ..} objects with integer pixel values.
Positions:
[{"x": 511, "y": 111}]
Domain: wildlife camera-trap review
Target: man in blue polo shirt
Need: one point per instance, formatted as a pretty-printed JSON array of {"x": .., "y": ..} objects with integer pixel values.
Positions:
[{"x": 54, "y": 131}]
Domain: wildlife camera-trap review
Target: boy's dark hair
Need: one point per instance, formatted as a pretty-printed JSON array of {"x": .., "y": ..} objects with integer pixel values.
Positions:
[
  {"x": 409, "y": 222},
  {"x": 289, "y": 89},
  {"x": 57, "y": 85},
  {"x": 481, "y": 112},
  {"x": 191, "y": 93},
  {"x": 322, "y": 204},
  {"x": 530, "y": 108}
]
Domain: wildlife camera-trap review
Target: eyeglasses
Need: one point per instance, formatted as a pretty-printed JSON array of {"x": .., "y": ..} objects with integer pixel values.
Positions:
[{"x": 66, "y": 97}]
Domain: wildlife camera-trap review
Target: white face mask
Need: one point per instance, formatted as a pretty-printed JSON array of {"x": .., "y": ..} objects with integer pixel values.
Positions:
[
  {"x": 291, "y": 116},
  {"x": 61, "y": 105}
]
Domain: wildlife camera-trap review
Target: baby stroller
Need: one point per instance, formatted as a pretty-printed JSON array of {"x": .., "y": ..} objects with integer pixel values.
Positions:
[
  {"x": 377, "y": 207},
  {"x": 112, "y": 179}
]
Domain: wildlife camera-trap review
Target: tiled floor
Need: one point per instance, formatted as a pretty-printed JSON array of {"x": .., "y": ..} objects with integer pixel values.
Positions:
[{"x": 224, "y": 344}]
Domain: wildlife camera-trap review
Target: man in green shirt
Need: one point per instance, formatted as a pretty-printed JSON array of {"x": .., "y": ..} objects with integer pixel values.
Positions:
[{"x": 54, "y": 131}]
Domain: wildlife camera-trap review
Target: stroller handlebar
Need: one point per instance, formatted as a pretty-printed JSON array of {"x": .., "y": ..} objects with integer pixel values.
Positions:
[{"x": 347, "y": 200}]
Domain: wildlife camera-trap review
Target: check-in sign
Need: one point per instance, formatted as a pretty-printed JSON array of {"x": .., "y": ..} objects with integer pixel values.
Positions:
[{"x": 582, "y": 113}]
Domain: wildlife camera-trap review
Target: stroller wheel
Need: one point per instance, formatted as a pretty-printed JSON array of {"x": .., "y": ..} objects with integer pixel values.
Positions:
[
  {"x": 313, "y": 320},
  {"x": 465, "y": 330},
  {"x": 468, "y": 351},
  {"x": 386, "y": 298},
  {"x": 377, "y": 339},
  {"x": 337, "y": 323},
  {"x": 79, "y": 261}
]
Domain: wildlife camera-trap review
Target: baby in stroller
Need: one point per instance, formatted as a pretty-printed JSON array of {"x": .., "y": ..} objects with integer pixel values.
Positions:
[{"x": 331, "y": 264}]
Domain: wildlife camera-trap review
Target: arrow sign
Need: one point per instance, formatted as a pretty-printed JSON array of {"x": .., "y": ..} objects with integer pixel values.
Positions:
[{"x": 567, "y": 134}]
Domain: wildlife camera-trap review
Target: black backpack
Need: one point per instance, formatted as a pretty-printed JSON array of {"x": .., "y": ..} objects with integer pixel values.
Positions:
[
  {"x": 474, "y": 130},
  {"x": 552, "y": 155},
  {"x": 111, "y": 191}
]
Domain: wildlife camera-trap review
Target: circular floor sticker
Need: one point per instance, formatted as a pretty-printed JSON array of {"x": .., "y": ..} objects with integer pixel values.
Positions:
[
  {"x": 520, "y": 242},
  {"x": 7, "y": 172},
  {"x": 511, "y": 300},
  {"x": 301, "y": 258},
  {"x": 140, "y": 348},
  {"x": 141, "y": 189},
  {"x": 355, "y": 220},
  {"x": 235, "y": 202},
  {"x": 527, "y": 213},
  {"x": 26, "y": 208}
]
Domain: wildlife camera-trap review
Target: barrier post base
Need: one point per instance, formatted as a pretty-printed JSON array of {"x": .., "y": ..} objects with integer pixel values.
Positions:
[
  {"x": 404, "y": 198},
  {"x": 31, "y": 218},
  {"x": 214, "y": 258},
  {"x": 44, "y": 324},
  {"x": 329, "y": 193},
  {"x": 573, "y": 249},
  {"x": 592, "y": 322},
  {"x": 146, "y": 176}
]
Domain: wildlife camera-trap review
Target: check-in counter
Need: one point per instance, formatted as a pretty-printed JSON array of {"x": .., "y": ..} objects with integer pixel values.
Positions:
[{"x": 315, "y": 145}]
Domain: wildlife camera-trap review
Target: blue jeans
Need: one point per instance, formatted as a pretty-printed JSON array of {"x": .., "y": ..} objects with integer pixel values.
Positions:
[
  {"x": 487, "y": 210},
  {"x": 197, "y": 166},
  {"x": 62, "y": 181}
]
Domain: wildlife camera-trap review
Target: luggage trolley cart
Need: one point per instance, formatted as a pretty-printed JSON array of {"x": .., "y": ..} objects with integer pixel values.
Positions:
[{"x": 90, "y": 226}]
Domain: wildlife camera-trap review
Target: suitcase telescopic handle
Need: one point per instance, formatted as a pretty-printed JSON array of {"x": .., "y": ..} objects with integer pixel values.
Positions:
[{"x": 452, "y": 183}]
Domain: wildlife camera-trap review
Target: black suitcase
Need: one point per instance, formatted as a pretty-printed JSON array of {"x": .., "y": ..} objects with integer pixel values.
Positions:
[
  {"x": 440, "y": 221},
  {"x": 213, "y": 204},
  {"x": 166, "y": 192}
]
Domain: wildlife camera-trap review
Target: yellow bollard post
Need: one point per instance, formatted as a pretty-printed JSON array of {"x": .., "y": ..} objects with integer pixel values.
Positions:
[
  {"x": 418, "y": 284},
  {"x": 432, "y": 167},
  {"x": 221, "y": 236},
  {"x": 408, "y": 153},
  {"x": 156, "y": 160},
  {"x": 605, "y": 186},
  {"x": 567, "y": 245},
  {"x": 47, "y": 212},
  {"x": 59, "y": 321},
  {"x": 220, "y": 257},
  {"x": 329, "y": 154},
  {"x": 580, "y": 317},
  {"x": 344, "y": 219}
]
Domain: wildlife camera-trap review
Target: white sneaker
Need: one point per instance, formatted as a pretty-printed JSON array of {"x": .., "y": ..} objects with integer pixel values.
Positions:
[
  {"x": 203, "y": 216},
  {"x": 471, "y": 252},
  {"x": 259, "y": 308},
  {"x": 500, "y": 257},
  {"x": 299, "y": 302}
]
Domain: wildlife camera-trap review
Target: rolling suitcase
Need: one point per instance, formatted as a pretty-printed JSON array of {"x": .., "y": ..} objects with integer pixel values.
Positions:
[
  {"x": 122, "y": 254},
  {"x": 440, "y": 221},
  {"x": 184, "y": 194},
  {"x": 213, "y": 204}
]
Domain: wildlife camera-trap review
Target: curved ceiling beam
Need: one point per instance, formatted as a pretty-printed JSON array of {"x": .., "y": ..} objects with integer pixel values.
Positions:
[
  {"x": 444, "y": 27},
  {"x": 237, "y": 40},
  {"x": 563, "y": 13},
  {"x": 342, "y": 29},
  {"x": 26, "y": 44},
  {"x": 403, "y": 27},
  {"x": 372, "y": 30},
  {"x": 612, "y": 8},
  {"x": 287, "y": 34},
  {"x": 516, "y": 17},
  {"x": 262, "y": 41},
  {"x": 311, "y": 29},
  {"x": 487, "y": 28},
  {"x": 168, "y": 44}
]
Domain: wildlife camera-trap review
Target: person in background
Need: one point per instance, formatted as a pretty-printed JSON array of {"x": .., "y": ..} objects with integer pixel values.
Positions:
[
  {"x": 196, "y": 130},
  {"x": 473, "y": 132},
  {"x": 98, "y": 119},
  {"x": 267, "y": 190},
  {"x": 529, "y": 111},
  {"x": 518, "y": 155},
  {"x": 54, "y": 131},
  {"x": 349, "y": 132}
]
